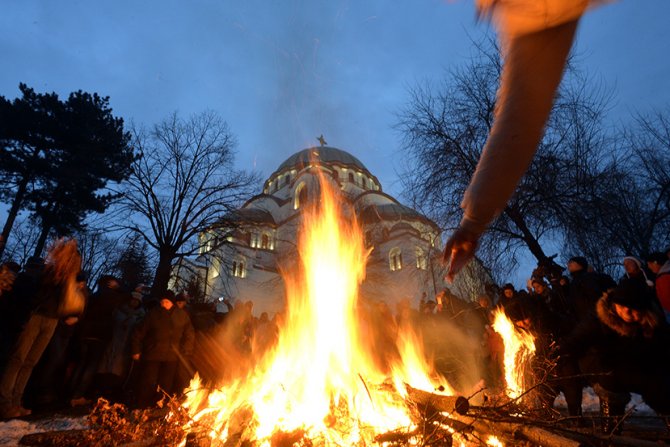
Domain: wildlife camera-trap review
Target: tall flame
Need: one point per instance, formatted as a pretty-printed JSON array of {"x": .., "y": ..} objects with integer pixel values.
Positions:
[
  {"x": 321, "y": 377},
  {"x": 519, "y": 350}
]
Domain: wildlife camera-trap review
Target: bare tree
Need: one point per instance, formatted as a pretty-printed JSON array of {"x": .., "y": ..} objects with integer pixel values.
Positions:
[
  {"x": 99, "y": 253},
  {"x": 627, "y": 212},
  {"x": 184, "y": 183},
  {"x": 23, "y": 243},
  {"x": 444, "y": 129}
]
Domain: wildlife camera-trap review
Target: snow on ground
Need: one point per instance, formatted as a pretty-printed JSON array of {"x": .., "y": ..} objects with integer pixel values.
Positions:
[
  {"x": 12, "y": 431},
  {"x": 591, "y": 403}
]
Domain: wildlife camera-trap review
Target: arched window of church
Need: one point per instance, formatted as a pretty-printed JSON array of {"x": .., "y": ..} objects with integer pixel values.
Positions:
[
  {"x": 287, "y": 179},
  {"x": 364, "y": 182},
  {"x": 265, "y": 241},
  {"x": 239, "y": 268},
  {"x": 421, "y": 258},
  {"x": 395, "y": 259},
  {"x": 352, "y": 179},
  {"x": 300, "y": 196}
]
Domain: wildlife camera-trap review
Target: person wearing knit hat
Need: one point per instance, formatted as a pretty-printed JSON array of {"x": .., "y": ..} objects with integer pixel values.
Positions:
[
  {"x": 634, "y": 271},
  {"x": 577, "y": 261}
]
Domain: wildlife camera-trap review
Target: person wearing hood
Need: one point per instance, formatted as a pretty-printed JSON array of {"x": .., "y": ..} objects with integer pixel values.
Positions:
[
  {"x": 624, "y": 348},
  {"x": 634, "y": 271}
]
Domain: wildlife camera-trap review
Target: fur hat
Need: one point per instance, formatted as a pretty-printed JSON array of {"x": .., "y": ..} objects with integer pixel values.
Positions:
[{"x": 630, "y": 293}]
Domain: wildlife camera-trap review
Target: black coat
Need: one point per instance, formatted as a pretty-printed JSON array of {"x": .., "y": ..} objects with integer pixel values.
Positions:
[
  {"x": 164, "y": 335},
  {"x": 612, "y": 345},
  {"x": 586, "y": 288}
]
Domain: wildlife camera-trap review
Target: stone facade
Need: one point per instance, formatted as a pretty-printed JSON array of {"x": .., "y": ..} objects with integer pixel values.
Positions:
[{"x": 406, "y": 247}]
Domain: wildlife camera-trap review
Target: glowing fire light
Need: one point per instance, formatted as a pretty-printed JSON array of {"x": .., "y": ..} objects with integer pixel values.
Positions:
[
  {"x": 519, "y": 349},
  {"x": 494, "y": 442},
  {"x": 320, "y": 380}
]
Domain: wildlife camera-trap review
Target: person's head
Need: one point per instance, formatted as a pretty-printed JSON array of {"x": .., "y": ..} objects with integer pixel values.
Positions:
[
  {"x": 656, "y": 260},
  {"x": 135, "y": 300},
  {"x": 632, "y": 265},
  {"x": 539, "y": 286},
  {"x": 264, "y": 318},
  {"x": 564, "y": 280},
  {"x": 484, "y": 301},
  {"x": 34, "y": 264},
  {"x": 167, "y": 299},
  {"x": 180, "y": 300},
  {"x": 577, "y": 264},
  {"x": 108, "y": 282},
  {"x": 508, "y": 290},
  {"x": 64, "y": 260},
  {"x": 630, "y": 300}
]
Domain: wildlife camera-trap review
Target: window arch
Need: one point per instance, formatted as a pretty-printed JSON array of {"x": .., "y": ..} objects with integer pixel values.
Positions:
[
  {"x": 239, "y": 268},
  {"x": 300, "y": 197},
  {"x": 395, "y": 259},
  {"x": 421, "y": 258},
  {"x": 352, "y": 179}
]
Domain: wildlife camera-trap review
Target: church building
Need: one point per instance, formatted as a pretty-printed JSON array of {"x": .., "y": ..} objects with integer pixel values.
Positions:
[{"x": 260, "y": 238}]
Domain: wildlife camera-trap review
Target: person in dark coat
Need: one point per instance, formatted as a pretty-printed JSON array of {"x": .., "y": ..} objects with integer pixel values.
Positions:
[
  {"x": 17, "y": 304},
  {"x": 95, "y": 333},
  {"x": 585, "y": 288},
  {"x": 116, "y": 362},
  {"x": 57, "y": 297},
  {"x": 533, "y": 315},
  {"x": 624, "y": 347},
  {"x": 162, "y": 340}
]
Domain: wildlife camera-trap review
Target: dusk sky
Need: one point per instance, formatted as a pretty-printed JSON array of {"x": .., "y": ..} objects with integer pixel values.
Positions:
[{"x": 283, "y": 72}]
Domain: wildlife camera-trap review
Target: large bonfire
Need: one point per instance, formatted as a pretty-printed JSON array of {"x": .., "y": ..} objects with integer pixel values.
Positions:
[{"x": 320, "y": 380}]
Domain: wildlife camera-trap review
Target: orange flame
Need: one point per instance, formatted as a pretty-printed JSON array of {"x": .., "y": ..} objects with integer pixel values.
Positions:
[
  {"x": 519, "y": 350},
  {"x": 320, "y": 378}
]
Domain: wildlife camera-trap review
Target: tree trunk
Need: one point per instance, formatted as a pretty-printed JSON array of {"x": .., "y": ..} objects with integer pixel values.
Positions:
[
  {"x": 163, "y": 272},
  {"x": 41, "y": 242},
  {"x": 13, "y": 212},
  {"x": 531, "y": 242}
]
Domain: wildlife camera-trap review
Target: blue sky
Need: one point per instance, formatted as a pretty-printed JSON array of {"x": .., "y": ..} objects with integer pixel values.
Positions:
[{"x": 283, "y": 72}]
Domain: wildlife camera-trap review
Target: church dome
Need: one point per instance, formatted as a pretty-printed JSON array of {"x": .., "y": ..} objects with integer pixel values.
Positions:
[{"x": 323, "y": 154}]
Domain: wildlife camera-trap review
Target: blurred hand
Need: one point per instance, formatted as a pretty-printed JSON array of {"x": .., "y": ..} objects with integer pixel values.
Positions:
[
  {"x": 458, "y": 251},
  {"x": 136, "y": 356}
]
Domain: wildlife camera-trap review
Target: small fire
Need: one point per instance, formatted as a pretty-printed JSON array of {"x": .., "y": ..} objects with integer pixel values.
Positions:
[
  {"x": 494, "y": 442},
  {"x": 519, "y": 350},
  {"x": 320, "y": 381}
]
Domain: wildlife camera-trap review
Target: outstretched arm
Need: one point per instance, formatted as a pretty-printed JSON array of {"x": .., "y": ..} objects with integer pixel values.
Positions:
[{"x": 532, "y": 71}]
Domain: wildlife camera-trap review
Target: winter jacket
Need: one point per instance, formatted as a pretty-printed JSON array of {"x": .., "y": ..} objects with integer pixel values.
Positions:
[
  {"x": 663, "y": 286},
  {"x": 615, "y": 345},
  {"x": 97, "y": 322},
  {"x": 164, "y": 335},
  {"x": 117, "y": 356},
  {"x": 585, "y": 290}
]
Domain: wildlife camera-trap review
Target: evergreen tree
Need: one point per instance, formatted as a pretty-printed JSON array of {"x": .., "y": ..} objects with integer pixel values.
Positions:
[
  {"x": 58, "y": 157},
  {"x": 133, "y": 265}
]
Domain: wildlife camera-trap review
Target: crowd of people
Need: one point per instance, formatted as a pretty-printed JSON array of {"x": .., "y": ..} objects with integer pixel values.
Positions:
[
  {"x": 63, "y": 345},
  {"x": 588, "y": 329}
]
